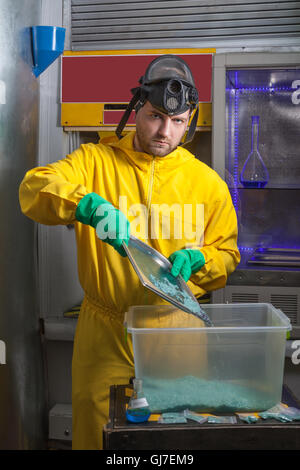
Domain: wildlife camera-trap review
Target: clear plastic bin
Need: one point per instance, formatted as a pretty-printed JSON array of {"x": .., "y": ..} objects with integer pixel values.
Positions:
[{"x": 236, "y": 365}]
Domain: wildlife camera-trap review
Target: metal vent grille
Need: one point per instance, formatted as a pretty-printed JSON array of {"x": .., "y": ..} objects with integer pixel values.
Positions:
[
  {"x": 288, "y": 304},
  {"x": 119, "y": 24},
  {"x": 240, "y": 297}
]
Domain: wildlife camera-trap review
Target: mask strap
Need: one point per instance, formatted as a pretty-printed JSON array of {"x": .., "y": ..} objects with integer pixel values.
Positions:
[
  {"x": 192, "y": 127},
  {"x": 127, "y": 113}
]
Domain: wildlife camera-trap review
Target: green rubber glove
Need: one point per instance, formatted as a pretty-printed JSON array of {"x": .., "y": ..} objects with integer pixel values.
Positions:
[
  {"x": 111, "y": 225},
  {"x": 186, "y": 263}
]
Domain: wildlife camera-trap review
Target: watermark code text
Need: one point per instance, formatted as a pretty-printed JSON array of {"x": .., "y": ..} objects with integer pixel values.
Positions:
[{"x": 296, "y": 354}]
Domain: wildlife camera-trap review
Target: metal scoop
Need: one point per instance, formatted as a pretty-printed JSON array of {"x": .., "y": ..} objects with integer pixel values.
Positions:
[{"x": 154, "y": 272}]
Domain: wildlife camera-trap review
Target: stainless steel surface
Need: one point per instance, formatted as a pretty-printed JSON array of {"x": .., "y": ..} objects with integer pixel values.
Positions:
[
  {"x": 276, "y": 257},
  {"x": 60, "y": 422},
  {"x": 154, "y": 272},
  {"x": 247, "y": 275},
  {"x": 22, "y": 395},
  {"x": 120, "y": 24},
  {"x": 66, "y": 12},
  {"x": 59, "y": 287},
  {"x": 60, "y": 329}
]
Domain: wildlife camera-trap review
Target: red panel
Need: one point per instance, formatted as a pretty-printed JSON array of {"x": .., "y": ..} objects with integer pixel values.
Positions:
[
  {"x": 109, "y": 79},
  {"x": 114, "y": 117}
]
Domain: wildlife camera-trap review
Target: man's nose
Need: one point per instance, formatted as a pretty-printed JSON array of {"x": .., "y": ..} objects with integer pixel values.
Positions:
[{"x": 165, "y": 127}]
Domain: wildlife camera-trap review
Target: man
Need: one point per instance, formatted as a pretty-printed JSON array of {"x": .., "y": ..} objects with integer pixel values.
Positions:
[{"x": 101, "y": 189}]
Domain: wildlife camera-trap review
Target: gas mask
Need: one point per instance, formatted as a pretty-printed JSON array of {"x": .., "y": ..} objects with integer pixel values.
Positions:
[{"x": 169, "y": 86}]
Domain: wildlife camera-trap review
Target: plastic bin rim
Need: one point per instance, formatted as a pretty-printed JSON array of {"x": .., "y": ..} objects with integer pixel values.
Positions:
[
  {"x": 286, "y": 324},
  {"x": 212, "y": 306},
  {"x": 213, "y": 329}
]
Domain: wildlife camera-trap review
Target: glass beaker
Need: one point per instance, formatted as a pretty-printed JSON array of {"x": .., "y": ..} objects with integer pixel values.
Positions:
[
  {"x": 138, "y": 410},
  {"x": 254, "y": 173}
]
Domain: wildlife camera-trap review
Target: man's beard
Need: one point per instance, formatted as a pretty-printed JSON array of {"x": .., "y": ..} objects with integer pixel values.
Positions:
[{"x": 153, "y": 146}]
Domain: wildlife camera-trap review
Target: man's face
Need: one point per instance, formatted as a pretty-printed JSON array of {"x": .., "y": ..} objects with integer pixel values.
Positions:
[{"x": 157, "y": 133}]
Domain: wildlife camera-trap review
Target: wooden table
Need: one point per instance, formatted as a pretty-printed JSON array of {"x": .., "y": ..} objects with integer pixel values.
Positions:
[{"x": 270, "y": 434}]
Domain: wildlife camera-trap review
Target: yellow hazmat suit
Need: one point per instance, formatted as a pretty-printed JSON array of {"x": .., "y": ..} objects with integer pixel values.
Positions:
[{"x": 146, "y": 188}]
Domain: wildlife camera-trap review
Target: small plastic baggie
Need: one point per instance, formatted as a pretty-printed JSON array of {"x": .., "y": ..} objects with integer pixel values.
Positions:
[{"x": 281, "y": 412}]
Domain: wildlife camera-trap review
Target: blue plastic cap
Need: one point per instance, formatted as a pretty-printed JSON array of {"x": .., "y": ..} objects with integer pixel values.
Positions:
[{"x": 47, "y": 45}]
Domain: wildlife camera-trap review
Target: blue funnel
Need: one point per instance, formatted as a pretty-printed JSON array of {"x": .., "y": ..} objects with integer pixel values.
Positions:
[{"x": 47, "y": 45}]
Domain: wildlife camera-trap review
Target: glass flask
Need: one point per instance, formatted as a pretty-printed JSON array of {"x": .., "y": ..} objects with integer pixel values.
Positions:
[
  {"x": 254, "y": 173},
  {"x": 138, "y": 410}
]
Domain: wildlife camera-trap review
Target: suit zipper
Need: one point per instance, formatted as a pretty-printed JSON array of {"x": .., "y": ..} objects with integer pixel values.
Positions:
[{"x": 149, "y": 196}]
